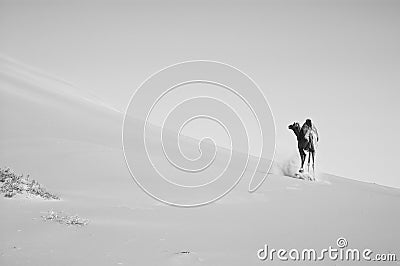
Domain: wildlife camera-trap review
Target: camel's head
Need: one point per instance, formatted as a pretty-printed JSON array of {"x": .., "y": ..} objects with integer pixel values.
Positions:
[{"x": 295, "y": 126}]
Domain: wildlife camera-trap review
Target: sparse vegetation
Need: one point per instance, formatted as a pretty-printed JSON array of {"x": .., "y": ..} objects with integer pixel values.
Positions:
[
  {"x": 62, "y": 218},
  {"x": 12, "y": 184}
]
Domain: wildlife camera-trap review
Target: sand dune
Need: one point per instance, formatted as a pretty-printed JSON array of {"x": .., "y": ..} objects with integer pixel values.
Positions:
[{"x": 73, "y": 146}]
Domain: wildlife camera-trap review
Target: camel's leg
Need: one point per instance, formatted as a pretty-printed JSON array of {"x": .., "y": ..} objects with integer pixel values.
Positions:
[
  {"x": 309, "y": 157},
  {"x": 303, "y": 158},
  {"x": 313, "y": 162}
]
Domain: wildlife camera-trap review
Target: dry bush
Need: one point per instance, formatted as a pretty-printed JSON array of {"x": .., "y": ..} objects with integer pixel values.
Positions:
[
  {"x": 12, "y": 184},
  {"x": 62, "y": 218}
]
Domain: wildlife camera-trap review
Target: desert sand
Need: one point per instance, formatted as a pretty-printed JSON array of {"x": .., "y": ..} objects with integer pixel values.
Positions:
[{"x": 71, "y": 143}]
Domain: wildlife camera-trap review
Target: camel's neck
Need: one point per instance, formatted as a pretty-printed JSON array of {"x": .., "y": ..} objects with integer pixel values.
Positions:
[{"x": 296, "y": 131}]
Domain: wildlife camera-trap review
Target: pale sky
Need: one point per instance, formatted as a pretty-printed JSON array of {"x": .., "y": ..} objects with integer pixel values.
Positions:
[{"x": 337, "y": 62}]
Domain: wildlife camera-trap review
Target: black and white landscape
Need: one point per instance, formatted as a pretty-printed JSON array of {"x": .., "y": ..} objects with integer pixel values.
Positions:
[{"x": 69, "y": 68}]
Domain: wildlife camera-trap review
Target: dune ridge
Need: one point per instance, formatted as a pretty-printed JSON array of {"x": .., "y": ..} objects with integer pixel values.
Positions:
[{"x": 73, "y": 146}]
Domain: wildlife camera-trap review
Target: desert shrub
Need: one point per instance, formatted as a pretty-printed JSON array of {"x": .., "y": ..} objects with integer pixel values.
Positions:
[
  {"x": 12, "y": 184},
  {"x": 66, "y": 219}
]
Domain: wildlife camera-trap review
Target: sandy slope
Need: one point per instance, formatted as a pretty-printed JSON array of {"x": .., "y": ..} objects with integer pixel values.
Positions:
[{"x": 73, "y": 147}]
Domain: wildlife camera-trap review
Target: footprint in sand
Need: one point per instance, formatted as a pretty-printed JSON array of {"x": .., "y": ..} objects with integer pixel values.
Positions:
[{"x": 184, "y": 258}]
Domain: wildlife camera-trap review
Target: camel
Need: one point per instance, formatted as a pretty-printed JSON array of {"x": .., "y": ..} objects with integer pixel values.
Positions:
[{"x": 307, "y": 138}]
